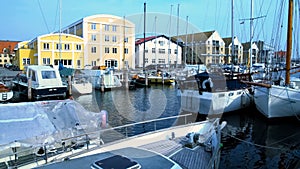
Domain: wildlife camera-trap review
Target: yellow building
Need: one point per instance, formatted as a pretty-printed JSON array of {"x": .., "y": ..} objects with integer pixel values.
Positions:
[
  {"x": 49, "y": 49},
  {"x": 109, "y": 40}
]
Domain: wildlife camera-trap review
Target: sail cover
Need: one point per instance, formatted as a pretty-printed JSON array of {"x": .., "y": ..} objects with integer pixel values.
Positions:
[{"x": 38, "y": 123}]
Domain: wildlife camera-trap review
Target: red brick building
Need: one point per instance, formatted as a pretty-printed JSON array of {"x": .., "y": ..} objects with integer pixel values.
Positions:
[{"x": 7, "y": 51}]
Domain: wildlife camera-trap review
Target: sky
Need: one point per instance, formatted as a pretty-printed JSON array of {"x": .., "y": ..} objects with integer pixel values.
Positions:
[{"x": 27, "y": 19}]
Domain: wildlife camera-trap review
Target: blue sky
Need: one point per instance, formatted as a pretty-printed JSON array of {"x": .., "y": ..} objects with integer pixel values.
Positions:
[{"x": 27, "y": 19}]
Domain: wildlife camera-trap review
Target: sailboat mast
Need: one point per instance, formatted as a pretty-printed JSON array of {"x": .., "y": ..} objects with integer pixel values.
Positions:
[
  {"x": 232, "y": 34},
  {"x": 169, "y": 44},
  {"x": 60, "y": 8},
  {"x": 186, "y": 30},
  {"x": 251, "y": 35},
  {"x": 144, "y": 47},
  {"x": 177, "y": 36},
  {"x": 155, "y": 43},
  {"x": 289, "y": 43}
]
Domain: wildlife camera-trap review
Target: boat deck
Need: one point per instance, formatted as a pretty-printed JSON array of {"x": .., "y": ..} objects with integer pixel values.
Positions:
[{"x": 191, "y": 158}]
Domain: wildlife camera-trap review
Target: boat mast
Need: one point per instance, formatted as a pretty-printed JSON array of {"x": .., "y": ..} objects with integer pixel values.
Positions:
[
  {"x": 232, "y": 34},
  {"x": 177, "y": 36},
  {"x": 169, "y": 39},
  {"x": 251, "y": 35},
  {"x": 144, "y": 48},
  {"x": 60, "y": 6},
  {"x": 186, "y": 30},
  {"x": 289, "y": 43},
  {"x": 155, "y": 42}
]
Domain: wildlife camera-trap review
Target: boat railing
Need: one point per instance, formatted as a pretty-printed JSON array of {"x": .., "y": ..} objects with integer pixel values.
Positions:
[{"x": 19, "y": 157}]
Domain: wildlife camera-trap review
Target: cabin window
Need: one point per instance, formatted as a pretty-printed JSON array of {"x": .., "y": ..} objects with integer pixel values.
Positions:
[
  {"x": 48, "y": 75},
  {"x": 221, "y": 95},
  {"x": 230, "y": 94},
  {"x": 239, "y": 93}
]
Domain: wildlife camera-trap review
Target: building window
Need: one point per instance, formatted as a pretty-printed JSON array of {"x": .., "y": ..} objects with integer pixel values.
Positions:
[
  {"x": 146, "y": 60},
  {"x": 161, "y": 43},
  {"x": 126, "y": 50},
  {"x": 78, "y": 64},
  {"x": 175, "y": 51},
  {"x": 94, "y": 49},
  {"x": 67, "y": 46},
  {"x": 114, "y": 50},
  {"x": 46, "y": 61},
  {"x": 106, "y": 27},
  {"x": 169, "y": 51},
  {"x": 153, "y": 50},
  {"x": 106, "y": 50},
  {"x": 114, "y": 28},
  {"x": 94, "y": 63},
  {"x": 161, "y": 60},
  {"x": 111, "y": 63},
  {"x": 93, "y": 26},
  {"x": 146, "y": 50},
  {"x": 126, "y": 39},
  {"x": 106, "y": 38},
  {"x": 58, "y": 46},
  {"x": 161, "y": 51},
  {"x": 114, "y": 38},
  {"x": 46, "y": 46},
  {"x": 153, "y": 60},
  {"x": 26, "y": 61},
  {"x": 94, "y": 37},
  {"x": 78, "y": 47}
]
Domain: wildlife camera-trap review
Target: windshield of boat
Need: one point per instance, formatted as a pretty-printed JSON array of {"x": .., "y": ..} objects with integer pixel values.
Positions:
[{"x": 48, "y": 74}]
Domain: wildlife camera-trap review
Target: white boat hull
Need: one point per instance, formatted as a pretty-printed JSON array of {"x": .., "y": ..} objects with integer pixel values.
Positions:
[
  {"x": 214, "y": 102},
  {"x": 82, "y": 88},
  {"x": 277, "y": 101}
]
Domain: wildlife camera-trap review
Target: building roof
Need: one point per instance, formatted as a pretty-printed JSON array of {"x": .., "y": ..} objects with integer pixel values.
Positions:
[
  {"x": 197, "y": 37},
  {"x": 150, "y": 38},
  {"x": 8, "y": 45},
  {"x": 227, "y": 41}
]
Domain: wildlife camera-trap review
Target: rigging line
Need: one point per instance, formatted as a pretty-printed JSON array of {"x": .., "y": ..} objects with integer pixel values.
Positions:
[
  {"x": 43, "y": 16},
  {"x": 254, "y": 144}
]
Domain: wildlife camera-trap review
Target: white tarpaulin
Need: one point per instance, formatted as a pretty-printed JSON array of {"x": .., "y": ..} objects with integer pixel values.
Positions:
[{"x": 34, "y": 123}]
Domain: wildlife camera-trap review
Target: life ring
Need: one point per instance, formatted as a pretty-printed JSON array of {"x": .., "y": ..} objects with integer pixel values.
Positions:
[{"x": 211, "y": 85}]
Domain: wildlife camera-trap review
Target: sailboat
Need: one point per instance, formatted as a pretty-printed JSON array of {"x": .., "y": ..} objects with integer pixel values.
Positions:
[
  {"x": 282, "y": 100},
  {"x": 212, "y": 92}
]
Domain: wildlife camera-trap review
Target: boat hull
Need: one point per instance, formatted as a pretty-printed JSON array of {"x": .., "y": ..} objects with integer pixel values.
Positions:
[
  {"x": 209, "y": 103},
  {"x": 277, "y": 101}
]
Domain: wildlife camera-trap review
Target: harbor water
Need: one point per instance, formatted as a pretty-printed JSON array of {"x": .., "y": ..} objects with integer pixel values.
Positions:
[{"x": 248, "y": 140}]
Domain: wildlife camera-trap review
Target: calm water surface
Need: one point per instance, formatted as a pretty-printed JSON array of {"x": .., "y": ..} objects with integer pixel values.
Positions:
[{"x": 249, "y": 141}]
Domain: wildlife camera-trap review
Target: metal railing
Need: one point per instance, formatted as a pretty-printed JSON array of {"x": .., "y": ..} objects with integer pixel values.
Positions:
[{"x": 82, "y": 139}]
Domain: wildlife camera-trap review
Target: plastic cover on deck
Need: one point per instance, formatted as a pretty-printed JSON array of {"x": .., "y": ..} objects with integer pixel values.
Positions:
[{"x": 45, "y": 122}]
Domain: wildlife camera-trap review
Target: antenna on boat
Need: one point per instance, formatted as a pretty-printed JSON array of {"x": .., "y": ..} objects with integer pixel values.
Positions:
[{"x": 232, "y": 34}]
